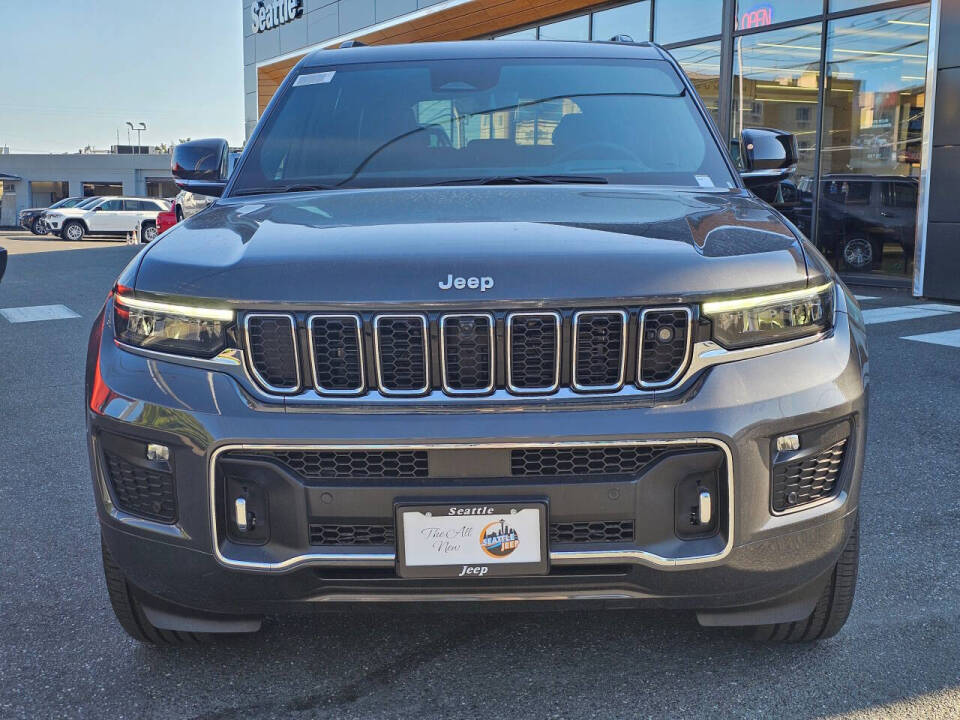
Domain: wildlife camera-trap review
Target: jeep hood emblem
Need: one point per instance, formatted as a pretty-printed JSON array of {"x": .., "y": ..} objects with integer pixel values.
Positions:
[{"x": 483, "y": 283}]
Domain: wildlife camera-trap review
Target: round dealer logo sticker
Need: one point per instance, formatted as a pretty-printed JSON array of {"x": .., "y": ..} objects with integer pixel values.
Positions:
[{"x": 499, "y": 539}]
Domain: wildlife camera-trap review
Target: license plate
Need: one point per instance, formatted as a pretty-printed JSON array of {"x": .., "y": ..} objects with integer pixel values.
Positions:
[{"x": 472, "y": 540}]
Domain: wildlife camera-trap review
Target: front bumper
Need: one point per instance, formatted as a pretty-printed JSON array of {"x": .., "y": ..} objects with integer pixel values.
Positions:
[
  {"x": 756, "y": 559},
  {"x": 54, "y": 223}
]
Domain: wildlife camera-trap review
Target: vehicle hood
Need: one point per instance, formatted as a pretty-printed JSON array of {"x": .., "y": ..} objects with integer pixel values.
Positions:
[
  {"x": 540, "y": 243},
  {"x": 67, "y": 212}
]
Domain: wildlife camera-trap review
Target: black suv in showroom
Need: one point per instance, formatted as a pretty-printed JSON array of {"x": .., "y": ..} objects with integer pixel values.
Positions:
[{"x": 483, "y": 321}]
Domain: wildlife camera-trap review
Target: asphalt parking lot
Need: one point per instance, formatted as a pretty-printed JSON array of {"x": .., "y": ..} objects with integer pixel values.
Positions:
[{"x": 64, "y": 655}]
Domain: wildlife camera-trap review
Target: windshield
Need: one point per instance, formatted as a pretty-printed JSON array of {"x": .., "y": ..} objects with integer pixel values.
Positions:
[
  {"x": 88, "y": 203},
  {"x": 66, "y": 203},
  {"x": 477, "y": 120}
]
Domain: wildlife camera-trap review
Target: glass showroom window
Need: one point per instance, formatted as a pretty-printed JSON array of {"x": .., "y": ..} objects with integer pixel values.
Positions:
[
  {"x": 760, "y": 13},
  {"x": 575, "y": 28},
  {"x": 632, "y": 20},
  {"x": 873, "y": 122},
  {"x": 679, "y": 20},
  {"x": 701, "y": 63},
  {"x": 528, "y": 34},
  {"x": 776, "y": 82}
]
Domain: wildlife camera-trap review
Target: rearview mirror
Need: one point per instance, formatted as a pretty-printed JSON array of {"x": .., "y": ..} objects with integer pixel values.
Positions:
[
  {"x": 200, "y": 166},
  {"x": 767, "y": 156}
]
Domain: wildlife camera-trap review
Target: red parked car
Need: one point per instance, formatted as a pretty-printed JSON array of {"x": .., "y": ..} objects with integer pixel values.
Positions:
[{"x": 166, "y": 220}]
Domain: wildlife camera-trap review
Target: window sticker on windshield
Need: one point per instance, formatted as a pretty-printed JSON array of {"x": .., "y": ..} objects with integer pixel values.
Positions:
[
  {"x": 314, "y": 78},
  {"x": 704, "y": 180}
]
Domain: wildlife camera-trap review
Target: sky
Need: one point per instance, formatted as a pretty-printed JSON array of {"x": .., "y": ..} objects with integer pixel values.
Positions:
[{"x": 72, "y": 72}]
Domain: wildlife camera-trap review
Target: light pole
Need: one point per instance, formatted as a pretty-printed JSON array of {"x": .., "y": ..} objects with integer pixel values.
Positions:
[{"x": 139, "y": 128}]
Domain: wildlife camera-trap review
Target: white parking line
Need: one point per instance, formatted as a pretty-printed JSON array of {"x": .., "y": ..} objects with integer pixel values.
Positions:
[
  {"x": 940, "y": 307},
  {"x": 950, "y": 338},
  {"x": 37, "y": 313},
  {"x": 894, "y": 314},
  {"x": 863, "y": 298}
]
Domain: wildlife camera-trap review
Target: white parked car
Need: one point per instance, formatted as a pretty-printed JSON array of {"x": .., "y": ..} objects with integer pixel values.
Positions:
[{"x": 117, "y": 216}]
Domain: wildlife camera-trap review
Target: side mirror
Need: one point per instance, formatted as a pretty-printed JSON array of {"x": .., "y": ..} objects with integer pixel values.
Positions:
[
  {"x": 767, "y": 156},
  {"x": 200, "y": 166},
  {"x": 97, "y": 209}
]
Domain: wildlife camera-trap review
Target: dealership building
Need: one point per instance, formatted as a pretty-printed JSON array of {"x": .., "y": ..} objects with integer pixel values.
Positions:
[
  {"x": 35, "y": 180},
  {"x": 870, "y": 89}
]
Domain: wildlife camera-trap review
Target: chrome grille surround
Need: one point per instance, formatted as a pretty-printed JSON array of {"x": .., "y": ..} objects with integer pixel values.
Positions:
[
  {"x": 557, "y": 557},
  {"x": 613, "y": 387},
  {"x": 682, "y": 366},
  {"x": 492, "y": 323},
  {"x": 558, "y": 325},
  {"x": 281, "y": 390},
  {"x": 358, "y": 322},
  {"x": 378, "y": 320}
]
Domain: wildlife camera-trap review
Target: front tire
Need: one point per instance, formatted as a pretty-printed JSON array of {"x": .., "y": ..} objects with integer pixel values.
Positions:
[
  {"x": 38, "y": 226},
  {"x": 833, "y": 607},
  {"x": 73, "y": 230},
  {"x": 148, "y": 232},
  {"x": 130, "y": 613}
]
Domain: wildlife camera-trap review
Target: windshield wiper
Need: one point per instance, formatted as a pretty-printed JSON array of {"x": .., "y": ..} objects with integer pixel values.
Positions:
[
  {"x": 283, "y": 189},
  {"x": 528, "y": 180}
]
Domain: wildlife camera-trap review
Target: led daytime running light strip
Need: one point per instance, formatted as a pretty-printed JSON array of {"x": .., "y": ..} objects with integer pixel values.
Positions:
[
  {"x": 722, "y": 306},
  {"x": 182, "y": 310}
]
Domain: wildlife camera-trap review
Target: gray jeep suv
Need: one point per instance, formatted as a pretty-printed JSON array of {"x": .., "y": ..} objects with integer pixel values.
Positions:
[{"x": 482, "y": 321}]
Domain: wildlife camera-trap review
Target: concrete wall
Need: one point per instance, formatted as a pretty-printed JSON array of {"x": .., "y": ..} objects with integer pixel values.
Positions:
[
  {"x": 131, "y": 171},
  {"x": 941, "y": 279},
  {"x": 321, "y": 20}
]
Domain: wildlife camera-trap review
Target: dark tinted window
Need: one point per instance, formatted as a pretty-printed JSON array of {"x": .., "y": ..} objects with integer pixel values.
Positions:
[{"x": 417, "y": 123}]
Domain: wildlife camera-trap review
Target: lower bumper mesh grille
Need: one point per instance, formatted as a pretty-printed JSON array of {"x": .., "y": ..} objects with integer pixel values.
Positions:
[
  {"x": 806, "y": 481},
  {"x": 322, "y": 534},
  {"x": 549, "y": 461},
  {"x": 139, "y": 491},
  {"x": 357, "y": 464},
  {"x": 597, "y": 531}
]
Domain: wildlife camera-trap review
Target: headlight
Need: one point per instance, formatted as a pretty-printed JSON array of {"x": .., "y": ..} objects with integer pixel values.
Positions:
[
  {"x": 179, "y": 329},
  {"x": 771, "y": 318}
]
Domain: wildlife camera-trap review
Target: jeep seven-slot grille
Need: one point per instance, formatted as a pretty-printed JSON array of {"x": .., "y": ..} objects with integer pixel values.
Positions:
[
  {"x": 335, "y": 350},
  {"x": 599, "y": 346},
  {"x": 273, "y": 351},
  {"x": 402, "y": 354},
  {"x": 805, "y": 481},
  {"x": 534, "y": 350},
  {"x": 529, "y": 352},
  {"x": 467, "y": 344},
  {"x": 664, "y": 345}
]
